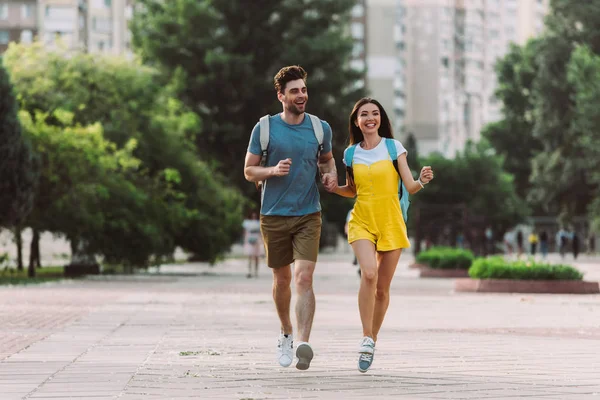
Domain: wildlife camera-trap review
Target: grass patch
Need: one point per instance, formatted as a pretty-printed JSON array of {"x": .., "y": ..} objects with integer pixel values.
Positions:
[
  {"x": 446, "y": 258},
  {"x": 10, "y": 276},
  {"x": 499, "y": 268}
]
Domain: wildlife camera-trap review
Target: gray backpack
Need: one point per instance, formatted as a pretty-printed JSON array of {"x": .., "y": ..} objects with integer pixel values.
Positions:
[{"x": 264, "y": 139}]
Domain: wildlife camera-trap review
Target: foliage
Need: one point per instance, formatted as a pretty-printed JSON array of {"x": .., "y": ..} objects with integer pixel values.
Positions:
[
  {"x": 17, "y": 166},
  {"x": 167, "y": 198},
  {"x": 584, "y": 75},
  {"x": 221, "y": 57},
  {"x": 9, "y": 276},
  {"x": 512, "y": 137},
  {"x": 474, "y": 178},
  {"x": 498, "y": 268},
  {"x": 446, "y": 258},
  {"x": 561, "y": 171}
]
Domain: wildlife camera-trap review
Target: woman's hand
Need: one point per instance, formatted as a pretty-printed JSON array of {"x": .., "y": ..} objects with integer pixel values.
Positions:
[{"x": 426, "y": 175}]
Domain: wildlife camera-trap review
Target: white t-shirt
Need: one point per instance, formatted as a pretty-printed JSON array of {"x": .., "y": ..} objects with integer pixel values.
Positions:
[{"x": 378, "y": 153}]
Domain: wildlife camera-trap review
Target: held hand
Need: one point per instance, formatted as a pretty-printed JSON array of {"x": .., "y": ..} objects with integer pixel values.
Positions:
[
  {"x": 283, "y": 167},
  {"x": 426, "y": 174},
  {"x": 330, "y": 181}
]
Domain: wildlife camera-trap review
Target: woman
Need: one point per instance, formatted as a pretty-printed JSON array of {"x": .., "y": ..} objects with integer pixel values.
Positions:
[
  {"x": 253, "y": 245},
  {"x": 376, "y": 229}
]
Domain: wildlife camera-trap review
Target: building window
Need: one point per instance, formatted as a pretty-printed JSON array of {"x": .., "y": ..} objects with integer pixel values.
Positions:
[
  {"x": 358, "y": 30},
  {"x": 4, "y": 11},
  {"x": 100, "y": 46},
  {"x": 4, "y": 37},
  {"x": 358, "y": 11},
  {"x": 445, "y": 62},
  {"x": 108, "y": 3},
  {"x": 358, "y": 49},
  {"x": 26, "y": 36},
  {"x": 27, "y": 11}
]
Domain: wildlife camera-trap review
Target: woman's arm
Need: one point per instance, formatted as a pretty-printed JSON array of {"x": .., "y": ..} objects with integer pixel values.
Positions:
[
  {"x": 348, "y": 190},
  {"x": 411, "y": 185}
]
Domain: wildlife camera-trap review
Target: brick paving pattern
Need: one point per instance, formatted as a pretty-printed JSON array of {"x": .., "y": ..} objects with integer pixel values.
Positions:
[{"x": 200, "y": 332}]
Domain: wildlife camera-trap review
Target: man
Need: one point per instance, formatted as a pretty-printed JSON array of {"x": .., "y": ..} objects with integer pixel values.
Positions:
[{"x": 291, "y": 211}]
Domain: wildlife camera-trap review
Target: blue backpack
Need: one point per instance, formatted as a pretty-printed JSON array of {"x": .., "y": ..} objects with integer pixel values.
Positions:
[{"x": 402, "y": 192}]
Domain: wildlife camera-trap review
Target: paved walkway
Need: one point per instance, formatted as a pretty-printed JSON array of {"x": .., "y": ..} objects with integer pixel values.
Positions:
[{"x": 196, "y": 332}]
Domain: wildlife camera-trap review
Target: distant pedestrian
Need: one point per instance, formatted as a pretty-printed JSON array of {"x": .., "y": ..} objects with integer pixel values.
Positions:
[
  {"x": 544, "y": 243},
  {"x": 253, "y": 244},
  {"x": 575, "y": 245},
  {"x": 533, "y": 242},
  {"x": 519, "y": 243}
]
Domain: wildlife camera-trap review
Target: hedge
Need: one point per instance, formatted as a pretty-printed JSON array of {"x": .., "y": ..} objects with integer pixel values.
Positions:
[
  {"x": 446, "y": 258},
  {"x": 498, "y": 268}
]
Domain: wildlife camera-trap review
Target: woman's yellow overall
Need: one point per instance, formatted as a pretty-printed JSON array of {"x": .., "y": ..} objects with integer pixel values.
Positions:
[{"x": 377, "y": 216}]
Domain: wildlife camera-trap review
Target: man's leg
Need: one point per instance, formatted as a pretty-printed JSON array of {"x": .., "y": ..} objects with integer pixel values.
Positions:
[
  {"x": 279, "y": 252},
  {"x": 282, "y": 295},
  {"x": 305, "y": 302},
  {"x": 306, "y": 237}
]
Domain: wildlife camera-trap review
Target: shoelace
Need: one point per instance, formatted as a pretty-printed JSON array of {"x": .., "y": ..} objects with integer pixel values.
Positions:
[{"x": 366, "y": 357}]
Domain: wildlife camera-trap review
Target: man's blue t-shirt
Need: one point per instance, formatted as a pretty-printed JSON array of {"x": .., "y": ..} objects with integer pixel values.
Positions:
[{"x": 295, "y": 194}]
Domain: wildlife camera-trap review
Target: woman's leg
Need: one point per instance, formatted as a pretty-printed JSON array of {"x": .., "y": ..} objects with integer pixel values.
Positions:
[
  {"x": 387, "y": 262},
  {"x": 367, "y": 260}
]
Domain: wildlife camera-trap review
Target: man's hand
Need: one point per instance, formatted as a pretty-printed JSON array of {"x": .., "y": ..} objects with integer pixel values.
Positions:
[
  {"x": 283, "y": 167},
  {"x": 330, "y": 182}
]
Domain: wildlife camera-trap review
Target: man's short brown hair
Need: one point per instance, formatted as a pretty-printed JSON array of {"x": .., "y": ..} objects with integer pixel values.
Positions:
[{"x": 287, "y": 74}]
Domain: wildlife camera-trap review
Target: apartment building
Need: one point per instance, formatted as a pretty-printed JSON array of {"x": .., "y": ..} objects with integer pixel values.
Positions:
[
  {"x": 451, "y": 47},
  {"x": 18, "y": 22},
  {"x": 86, "y": 25}
]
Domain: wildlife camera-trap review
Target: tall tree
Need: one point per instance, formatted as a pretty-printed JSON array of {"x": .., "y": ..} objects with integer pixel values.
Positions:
[
  {"x": 512, "y": 136},
  {"x": 583, "y": 74},
  {"x": 222, "y": 56},
  {"x": 560, "y": 172},
  {"x": 17, "y": 172},
  {"x": 145, "y": 211},
  {"x": 495, "y": 198}
]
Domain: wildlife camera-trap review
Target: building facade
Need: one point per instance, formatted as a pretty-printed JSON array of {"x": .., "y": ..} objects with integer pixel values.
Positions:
[
  {"x": 85, "y": 25},
  {"x": 18, "y": 22},
  {"x": 436, "y": 71}
]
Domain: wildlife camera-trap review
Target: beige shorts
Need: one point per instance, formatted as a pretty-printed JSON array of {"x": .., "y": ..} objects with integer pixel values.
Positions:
[{"x": 290, "y": 238}]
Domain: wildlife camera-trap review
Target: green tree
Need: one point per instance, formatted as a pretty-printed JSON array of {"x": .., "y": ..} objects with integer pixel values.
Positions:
[
  {"x": 583, "y": 74},
  {"x": 512, "y": 137},
  {"x": 144, "y": 214},
  {"x": 474, "y": 178},
  {"x": 560, "y": 172},
  {"x": 17, "y": 172},
  {"x": 222, "y": 56}
]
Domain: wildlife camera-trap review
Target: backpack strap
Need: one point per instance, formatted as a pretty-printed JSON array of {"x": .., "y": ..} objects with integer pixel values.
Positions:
[
  {"x": 348, "y": 159},
  {"x": 318, "y": 129},
  {"x": 391, "y": 147},
  {"x": 264, "y": 145},
  {"x": 264, "y": 138}
]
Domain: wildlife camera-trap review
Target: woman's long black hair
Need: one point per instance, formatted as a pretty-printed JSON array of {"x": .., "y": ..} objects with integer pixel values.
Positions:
[{"x": 385, "y": 128}]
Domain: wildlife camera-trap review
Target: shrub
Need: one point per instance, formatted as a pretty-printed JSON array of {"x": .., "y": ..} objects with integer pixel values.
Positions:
[
  {"x": 446, "y": 258},
  {"x": 498, "y": 268}
]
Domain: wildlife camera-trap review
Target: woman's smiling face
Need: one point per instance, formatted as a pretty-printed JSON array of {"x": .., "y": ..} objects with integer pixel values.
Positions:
[{"x": 368, "y": 118}]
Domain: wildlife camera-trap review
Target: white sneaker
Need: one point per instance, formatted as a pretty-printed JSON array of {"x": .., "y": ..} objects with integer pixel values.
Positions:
[
  {"x": 285, "y": 350},
  {"x": 305, "y": 355}
]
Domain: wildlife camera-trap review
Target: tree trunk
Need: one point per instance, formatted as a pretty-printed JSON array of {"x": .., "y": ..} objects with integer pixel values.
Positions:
[
  {"x": 19, "y": 242},
  {"x": 34, "y": 254}
]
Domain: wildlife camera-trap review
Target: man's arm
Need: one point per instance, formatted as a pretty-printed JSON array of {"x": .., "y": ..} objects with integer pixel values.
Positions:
[
  {"x": 327, "y": 164},
  {"x": 255, "y": 173},
  {"x": 327, "y": 168}
]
